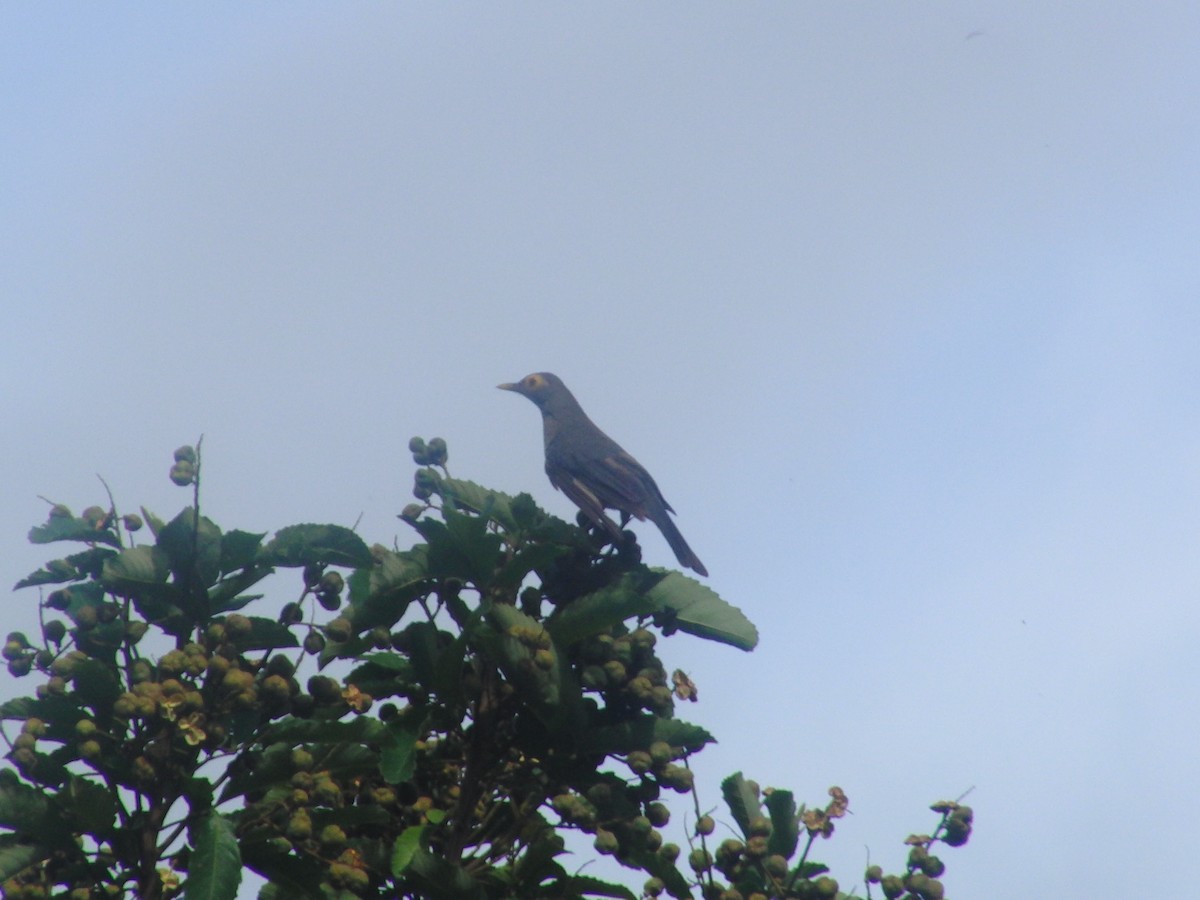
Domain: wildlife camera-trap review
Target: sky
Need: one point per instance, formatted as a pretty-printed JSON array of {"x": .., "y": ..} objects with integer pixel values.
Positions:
[{"x": 899, "y": 303}]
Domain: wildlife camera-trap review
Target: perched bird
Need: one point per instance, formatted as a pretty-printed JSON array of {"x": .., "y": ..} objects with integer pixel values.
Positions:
[{"x": 592, "y": 469}]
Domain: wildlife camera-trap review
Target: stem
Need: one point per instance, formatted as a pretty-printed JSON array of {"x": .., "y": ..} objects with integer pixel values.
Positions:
[
  {"x": 696, "y": 805},
  {"x": 481, "y": 737},
  {"x": 149, "y": 882}
]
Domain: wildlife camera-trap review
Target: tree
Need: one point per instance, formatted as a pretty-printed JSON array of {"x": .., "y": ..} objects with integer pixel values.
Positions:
[{"x": 498, "y": 685}]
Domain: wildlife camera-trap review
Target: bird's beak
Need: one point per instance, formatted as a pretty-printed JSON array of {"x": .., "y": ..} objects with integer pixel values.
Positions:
[{"x": 509, "y": 387}]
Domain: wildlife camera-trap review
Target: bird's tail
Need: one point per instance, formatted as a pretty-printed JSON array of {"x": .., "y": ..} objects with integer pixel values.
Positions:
[{"x": 682, "y": 551}]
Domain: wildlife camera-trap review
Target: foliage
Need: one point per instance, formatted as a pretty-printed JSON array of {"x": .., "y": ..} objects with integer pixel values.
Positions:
[{"x": 499, "y": 686}]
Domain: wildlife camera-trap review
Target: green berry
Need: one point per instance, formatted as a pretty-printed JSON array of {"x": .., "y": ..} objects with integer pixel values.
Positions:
[
  {"x": 324, "y": 689},
  {"x": 661, "y": 753},
  {"x": 677, "y": 778},
  {"x": 183, "y": 474},
  {"x": 314, "y": 642},
  {"x": 776, "y": 865},
  {"x": 605, "y": 842},
  {"x": 299, "y": 827},
  {"x": 332, "y": 837},
  {"x": 658, "y": 814},
  {"x": 89, "y": 749},
  {"x": 639, "y": 761},
  {"x": 827, "y": 887},
  {"x": 338, "y": 629},
  {"x": 756, "y": 846},
  {"x": 436, "y": 452}
]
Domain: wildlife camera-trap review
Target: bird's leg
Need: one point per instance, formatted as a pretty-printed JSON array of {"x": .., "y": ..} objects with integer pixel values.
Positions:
[{"x": 627, "y": 537}]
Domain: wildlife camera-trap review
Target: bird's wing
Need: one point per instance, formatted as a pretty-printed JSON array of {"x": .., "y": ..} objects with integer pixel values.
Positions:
[
  {"x": 618, "y": 481},
  {"x": 579, "y": 493}
]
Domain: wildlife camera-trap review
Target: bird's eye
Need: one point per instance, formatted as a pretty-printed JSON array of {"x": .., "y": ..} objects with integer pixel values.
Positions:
[{"x": 533, "y": 381}]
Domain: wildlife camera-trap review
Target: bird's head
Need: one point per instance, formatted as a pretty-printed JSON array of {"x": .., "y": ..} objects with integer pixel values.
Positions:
[{"x": 540, "y": 387}]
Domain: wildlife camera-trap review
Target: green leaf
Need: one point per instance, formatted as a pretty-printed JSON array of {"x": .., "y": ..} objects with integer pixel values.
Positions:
[
  {"x": 640, "y": 732},
  {"x": 785, "y": 826},
  {"x": 226, "y": 595},
  {"x": 398, "y": 753},
  {"x": 422, "y": 641},
  {"x": 265, "y": 634},
  {"x": 62, "y": 528},
  {"x": 440, "y": 879},
  {"x": 16, "y": 855},
  {"x": 298, "y": 731},
  {"x": 351, "y": 816},
  {"x": 291, "y": 877},
  {"x": 653, "y": 864},
  {"x": 193, "y": 546},
  {"x": 92, "y": 806},
  {"x": 383, "y": 680},
  {"x": 447, "y": 671},
  {"x": 526, "y": 513},
  {"x": 435, "y": 816},
  {"x": 77, "y": 566},
  {"x": 551, "y": 691},
  {"x": 530, "y": 558},
  {"x": 141, "y": 574},
  {"x": 45, "y": 576},
  {"x": 406, "y": 847},
  {"x": 393, "y": 662},
  {"x": 461, "y": 547},
  {"x": 91, "y": 562},
  {"x": 239, "y": 549},
  {"x": 31, "y": 814},
  {"x": 136, "y": 570},
  {"x": 583, "y": 885},
  {"x": 380, "y": 595},
  {"x": 302, "y": 545},
  {"x": 96, "y": 685},
  {"x": 810, "y": 870},
  {"x": 629, "y": 596},
  {"x": 233, "y": 604},
  {"x": 537, "y": 863},
  {"x": 50, "y": 708},
  {"x": 153, "y": 522},
  {"x": 478, "y": 499},
  {"x": 699, "y": 610},
  {"x": 741, "y": 796}
]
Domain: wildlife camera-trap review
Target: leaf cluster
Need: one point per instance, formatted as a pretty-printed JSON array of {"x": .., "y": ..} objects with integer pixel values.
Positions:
[{"x": 420, "y": 722}]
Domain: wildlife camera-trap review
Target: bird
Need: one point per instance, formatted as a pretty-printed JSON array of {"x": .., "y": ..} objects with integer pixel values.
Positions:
[{"x": 593, "y": 470}]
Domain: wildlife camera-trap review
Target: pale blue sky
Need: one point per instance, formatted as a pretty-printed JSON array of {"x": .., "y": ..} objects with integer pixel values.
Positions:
[{"x": 903, "y": 318}]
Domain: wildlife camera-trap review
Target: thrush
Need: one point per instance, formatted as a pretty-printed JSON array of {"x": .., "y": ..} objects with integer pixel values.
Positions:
[{"x": 592, "y": 469}]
